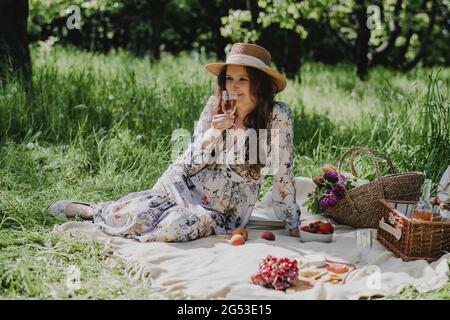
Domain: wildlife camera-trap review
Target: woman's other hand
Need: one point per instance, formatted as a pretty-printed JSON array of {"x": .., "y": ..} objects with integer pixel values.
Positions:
[{"x": 294, "y": 232}]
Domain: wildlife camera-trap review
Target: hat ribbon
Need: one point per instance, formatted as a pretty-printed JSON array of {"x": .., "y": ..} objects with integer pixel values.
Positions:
[{"x": 245, "y": 59}]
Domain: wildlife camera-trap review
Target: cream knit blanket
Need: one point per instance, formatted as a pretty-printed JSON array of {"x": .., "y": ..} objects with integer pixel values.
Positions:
[{"x": 212, "y": 268}]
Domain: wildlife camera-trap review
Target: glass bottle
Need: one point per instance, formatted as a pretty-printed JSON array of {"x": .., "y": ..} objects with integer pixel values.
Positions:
[{"x": 424, "y": 210}]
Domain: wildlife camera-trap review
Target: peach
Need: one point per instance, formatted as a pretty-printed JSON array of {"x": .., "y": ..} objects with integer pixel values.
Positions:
[
  {"x": 329, "y": 168},
  {"x": 242, "y": 231},
  {"x": 237, "y": 240},
  {"x": 319, "y": 180},
  {"x": 267, "y": 235}
]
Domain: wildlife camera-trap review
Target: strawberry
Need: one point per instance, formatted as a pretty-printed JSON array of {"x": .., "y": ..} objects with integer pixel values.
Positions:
[
  {"x": 305, "y": 228},
  {"x": 326, "y": 228},
  {"x": 330, "y": 226}
]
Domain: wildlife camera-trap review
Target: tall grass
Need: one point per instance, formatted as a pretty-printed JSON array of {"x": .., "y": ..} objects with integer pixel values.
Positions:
[{"x": 94, "y": 127}]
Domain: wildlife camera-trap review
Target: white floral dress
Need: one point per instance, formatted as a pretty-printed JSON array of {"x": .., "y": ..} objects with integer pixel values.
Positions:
[
  {"x": 444, "y": 186},
  {"x": 194, "y": 199}
]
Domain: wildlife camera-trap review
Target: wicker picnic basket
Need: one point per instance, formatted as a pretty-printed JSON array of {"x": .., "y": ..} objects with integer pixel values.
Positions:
[
  {"x": 411, "y": 239},
  {"x": 360, "y": 208}
]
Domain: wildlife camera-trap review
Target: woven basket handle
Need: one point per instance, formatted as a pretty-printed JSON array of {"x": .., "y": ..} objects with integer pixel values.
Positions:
[
  {"x": 378, "y": 153},
  {"x": 372, "y": 153}
]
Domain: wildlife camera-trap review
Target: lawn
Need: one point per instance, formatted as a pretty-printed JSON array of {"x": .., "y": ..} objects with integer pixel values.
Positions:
[{"x": 94, "y": 127}]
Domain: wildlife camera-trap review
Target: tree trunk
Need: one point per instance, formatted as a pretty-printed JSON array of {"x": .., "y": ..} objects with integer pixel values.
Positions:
[
  {"x": 252, "y": 6},
  {"x": 401, "y": 55},
  {"x": 14, "y": 50},
  {"x": 362, "y": 40},
  {"x": 157, "y": 15},
  {"x": 348, "y": 46},
  {"x": 293, "y": 55}
]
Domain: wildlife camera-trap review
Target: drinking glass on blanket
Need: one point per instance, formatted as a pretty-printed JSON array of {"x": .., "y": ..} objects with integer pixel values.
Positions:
[{"x": 364, "y": 242}]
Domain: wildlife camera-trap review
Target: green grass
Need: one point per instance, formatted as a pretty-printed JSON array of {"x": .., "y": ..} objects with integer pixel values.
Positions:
[{"x": 95, "y": 127}]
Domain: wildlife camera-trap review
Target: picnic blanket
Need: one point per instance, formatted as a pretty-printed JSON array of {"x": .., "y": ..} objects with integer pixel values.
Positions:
[{"x": 211, "y": 268}]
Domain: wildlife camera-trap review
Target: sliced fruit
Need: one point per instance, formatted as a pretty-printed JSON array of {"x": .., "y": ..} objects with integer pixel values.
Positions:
[
  {"x": 237, "y": 240},
  {"x": 339, "y": 269},
  {"x": 242, "y": 231}
]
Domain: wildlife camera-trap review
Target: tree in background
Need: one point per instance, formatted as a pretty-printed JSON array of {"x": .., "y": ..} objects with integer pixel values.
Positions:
[
  {"x": 407, "y": 37},
  {"x": 14, "y": 50},
  {"x": 394, "y": 33},
  {"x": 260, "y": 22},
  {"x": 141, "y": 26}
]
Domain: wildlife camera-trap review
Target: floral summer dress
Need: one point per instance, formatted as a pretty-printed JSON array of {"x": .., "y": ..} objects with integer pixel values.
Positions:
[{"x": 194, "y": 199}]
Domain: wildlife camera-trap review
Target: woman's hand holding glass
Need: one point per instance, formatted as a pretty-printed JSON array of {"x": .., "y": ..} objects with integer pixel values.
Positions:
[
  {"x": 223, "y": 121},
  {"x": 219, "y": 123}
]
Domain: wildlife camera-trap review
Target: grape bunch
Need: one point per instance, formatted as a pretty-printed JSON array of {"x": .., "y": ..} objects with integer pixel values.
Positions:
[{"x": 276, "y": 273}]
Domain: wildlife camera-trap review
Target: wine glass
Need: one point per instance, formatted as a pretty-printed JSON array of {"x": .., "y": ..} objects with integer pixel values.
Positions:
[
  {"x": 229, "y": 102},
  {"x": 364, "y": 242}
]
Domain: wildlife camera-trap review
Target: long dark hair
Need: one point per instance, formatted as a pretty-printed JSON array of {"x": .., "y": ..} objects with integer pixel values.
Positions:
[{"x": 263, "y": 89}]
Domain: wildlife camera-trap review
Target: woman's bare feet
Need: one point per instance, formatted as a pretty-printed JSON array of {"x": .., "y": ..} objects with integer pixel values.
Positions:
[{"x": 83, "y": 211}]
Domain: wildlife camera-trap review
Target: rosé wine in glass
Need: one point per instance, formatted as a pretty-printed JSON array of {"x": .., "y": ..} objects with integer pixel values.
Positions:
[{"x": 229, "y": 102}]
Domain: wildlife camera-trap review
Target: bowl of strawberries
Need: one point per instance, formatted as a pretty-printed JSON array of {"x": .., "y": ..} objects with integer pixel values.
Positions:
[{"x": 317, "y": 231}]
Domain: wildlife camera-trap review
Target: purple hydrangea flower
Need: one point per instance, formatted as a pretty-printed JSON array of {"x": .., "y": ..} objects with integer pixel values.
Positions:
[
  {"x": 332, "y": 200},
  {"x": 338, "y": 190},
  {"x": 331, "y": 176},
  {"x": 323, "y": 204},
  {"x": 328, "y": 201}
]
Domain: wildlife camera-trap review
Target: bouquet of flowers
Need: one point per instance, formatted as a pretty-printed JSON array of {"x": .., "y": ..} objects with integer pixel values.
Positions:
[{"x": 329, "y": 189}]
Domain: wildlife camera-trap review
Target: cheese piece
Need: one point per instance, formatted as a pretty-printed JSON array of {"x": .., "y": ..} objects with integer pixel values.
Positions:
[{"x": 316, "y": 260}]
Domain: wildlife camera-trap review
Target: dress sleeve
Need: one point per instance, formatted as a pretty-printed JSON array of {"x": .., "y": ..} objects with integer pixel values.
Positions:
[
  {"x": 196, "y": 157},
  {"x": 283, "y": 189}
]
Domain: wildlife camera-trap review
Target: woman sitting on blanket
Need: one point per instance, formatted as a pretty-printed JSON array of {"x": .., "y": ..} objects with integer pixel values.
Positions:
[{"x": 197, "y": 195}]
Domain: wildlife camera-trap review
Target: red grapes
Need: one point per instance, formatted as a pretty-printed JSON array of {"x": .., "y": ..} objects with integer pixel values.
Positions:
[{"x": 276, "y": 273}]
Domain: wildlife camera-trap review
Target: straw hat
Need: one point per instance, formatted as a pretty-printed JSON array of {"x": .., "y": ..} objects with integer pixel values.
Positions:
[{"x": 248, "y": 54}]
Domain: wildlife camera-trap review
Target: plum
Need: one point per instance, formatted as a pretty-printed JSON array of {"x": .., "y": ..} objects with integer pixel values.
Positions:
[{"x": 267, "y": 235}]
